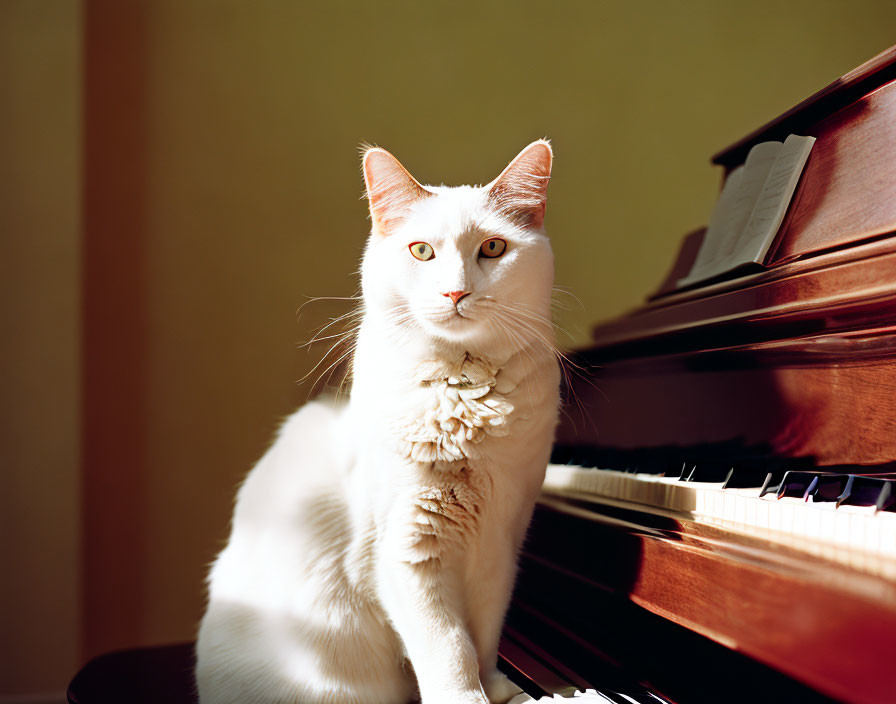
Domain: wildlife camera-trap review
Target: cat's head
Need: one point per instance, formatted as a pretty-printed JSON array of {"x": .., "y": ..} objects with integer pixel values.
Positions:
[{"x": 462, "y": 264}]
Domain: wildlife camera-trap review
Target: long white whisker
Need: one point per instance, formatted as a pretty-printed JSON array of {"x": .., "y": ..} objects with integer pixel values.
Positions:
[
  {"x": 318, "y": 299},
  {"x": 343, "y": 341},
  {"x": 537, "y": 327},
  {"x": 567, "y": 292}
]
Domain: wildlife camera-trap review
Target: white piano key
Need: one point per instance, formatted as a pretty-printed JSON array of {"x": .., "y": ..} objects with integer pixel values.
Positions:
[{"x": 855, "y": 535}]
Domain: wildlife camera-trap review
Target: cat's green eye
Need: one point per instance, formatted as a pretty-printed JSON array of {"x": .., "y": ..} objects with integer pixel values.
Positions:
[
  {"x": 421, "y": 251},
  {"x": 493, "y": 248}
]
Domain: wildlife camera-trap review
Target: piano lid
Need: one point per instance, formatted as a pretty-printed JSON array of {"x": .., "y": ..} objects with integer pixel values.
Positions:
[
  {"x": 847, "y": 192},
  {"x": 845, "y": 90},
  {"x": 832, "y": 265}
]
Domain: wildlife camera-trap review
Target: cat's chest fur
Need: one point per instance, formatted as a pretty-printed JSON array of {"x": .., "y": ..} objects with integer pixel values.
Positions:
[
  {"x": 448, "y": 405},
  {"x": 454, "y": 438},
  {"x": 460, "y": 405}
]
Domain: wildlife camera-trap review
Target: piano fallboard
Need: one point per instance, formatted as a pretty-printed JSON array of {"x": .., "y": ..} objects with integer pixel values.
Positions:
[{"x": 799, "y": 361}]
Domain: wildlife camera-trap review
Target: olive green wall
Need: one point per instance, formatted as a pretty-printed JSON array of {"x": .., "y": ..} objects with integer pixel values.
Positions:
[
  {"x": 245, "y": 120},
  {"x": 39, "y": 345},
  {"x": 255, "y": 116}
]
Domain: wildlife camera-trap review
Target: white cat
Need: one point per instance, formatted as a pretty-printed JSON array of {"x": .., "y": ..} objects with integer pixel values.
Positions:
[{"x": 374, "y": 547}]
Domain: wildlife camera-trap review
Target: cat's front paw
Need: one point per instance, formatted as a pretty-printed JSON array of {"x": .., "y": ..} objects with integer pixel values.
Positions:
[{"x": 500, "y": 689}]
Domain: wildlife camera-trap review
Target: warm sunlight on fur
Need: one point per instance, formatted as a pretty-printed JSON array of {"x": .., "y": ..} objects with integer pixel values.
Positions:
[{"x": 373, "y": 548}]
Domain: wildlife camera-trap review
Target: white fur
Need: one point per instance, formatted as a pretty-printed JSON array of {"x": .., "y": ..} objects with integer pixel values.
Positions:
[{"x": 373, "y": 548}]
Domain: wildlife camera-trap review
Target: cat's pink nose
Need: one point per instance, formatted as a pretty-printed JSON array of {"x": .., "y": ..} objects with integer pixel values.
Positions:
[{"x": 455, "y": 296}]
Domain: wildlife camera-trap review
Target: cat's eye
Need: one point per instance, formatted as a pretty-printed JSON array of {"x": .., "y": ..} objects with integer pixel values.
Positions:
[
  {"x": 493, "y": 248},
  {"x": 421, "y": 251}
]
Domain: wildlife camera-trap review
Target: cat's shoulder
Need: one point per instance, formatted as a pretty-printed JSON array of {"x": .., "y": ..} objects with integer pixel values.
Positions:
[
  {"x": 324, "y": 414},
  {"x": 309, "y": 452}
]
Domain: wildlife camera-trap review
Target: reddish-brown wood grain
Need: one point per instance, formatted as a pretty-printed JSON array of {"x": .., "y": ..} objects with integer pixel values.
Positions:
[
  {"x": 832, "y": 413},
  {"x": 851, "y": 289},
  {"x": 847, "y": 192},
  {"x": 799, "y": 361},
  {"x": 848, "y": 189},
  {"x": 813, "y": 620}
]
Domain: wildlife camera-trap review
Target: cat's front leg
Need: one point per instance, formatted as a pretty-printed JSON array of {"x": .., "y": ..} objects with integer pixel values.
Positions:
[
  {"x": 423, "y": 602},
  {"x": 499, "y": 688}
]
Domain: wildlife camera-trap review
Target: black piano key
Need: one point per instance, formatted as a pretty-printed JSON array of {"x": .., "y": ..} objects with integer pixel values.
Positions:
[
  {"x": 847, "y": 489},
  {"x": 797, "y": 484},
  {"x": 874, "y": 491},
  {"x": 831, "y": 487},
  {"x": 687, "y": 469},
  {"x": 864, "y": 491},
  {"x": 732, "y": 480},
  {"x": 577, "y": 456},
  {"x": 764, "y": 473},
  {"x": 710, "y": 471},
  {"x": 810, "y": 488},
  {"x": 886, "y": 500},
  {"x": 745, "y": 478},
  {"x": 772, "y": 482}
]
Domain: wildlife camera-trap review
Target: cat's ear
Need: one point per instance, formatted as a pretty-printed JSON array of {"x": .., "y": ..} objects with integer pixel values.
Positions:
[
  {"x": 391, "y": 190},
  {"x": 521, "y": 191}
]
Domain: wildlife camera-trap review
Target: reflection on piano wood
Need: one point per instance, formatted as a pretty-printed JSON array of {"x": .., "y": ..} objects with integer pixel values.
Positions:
[{"x": 720, "y": 524}]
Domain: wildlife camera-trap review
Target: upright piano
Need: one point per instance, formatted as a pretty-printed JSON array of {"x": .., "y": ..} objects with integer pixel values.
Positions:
[{"x": 719, "y": 520}]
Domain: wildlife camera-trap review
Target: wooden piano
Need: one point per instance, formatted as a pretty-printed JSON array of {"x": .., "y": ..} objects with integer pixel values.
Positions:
[{"x": 720, "y": 521}]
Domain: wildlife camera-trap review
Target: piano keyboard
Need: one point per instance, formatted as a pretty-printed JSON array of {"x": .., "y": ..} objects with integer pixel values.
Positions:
[
  {"x": 591, "y": 696},
  {"x": 843, "y": 517}
]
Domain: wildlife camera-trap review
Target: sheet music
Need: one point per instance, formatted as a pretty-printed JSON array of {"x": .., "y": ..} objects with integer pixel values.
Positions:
[
  {"x": 751, "y": 208},
  {"x": 768, "y": 213},
  {"x": 709, "y": 257}
]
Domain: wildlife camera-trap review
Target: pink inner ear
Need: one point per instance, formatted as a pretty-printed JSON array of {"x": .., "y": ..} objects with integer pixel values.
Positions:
[
  {"x": 520, "y": 192},
  {"x": 391, "y": 190}
]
